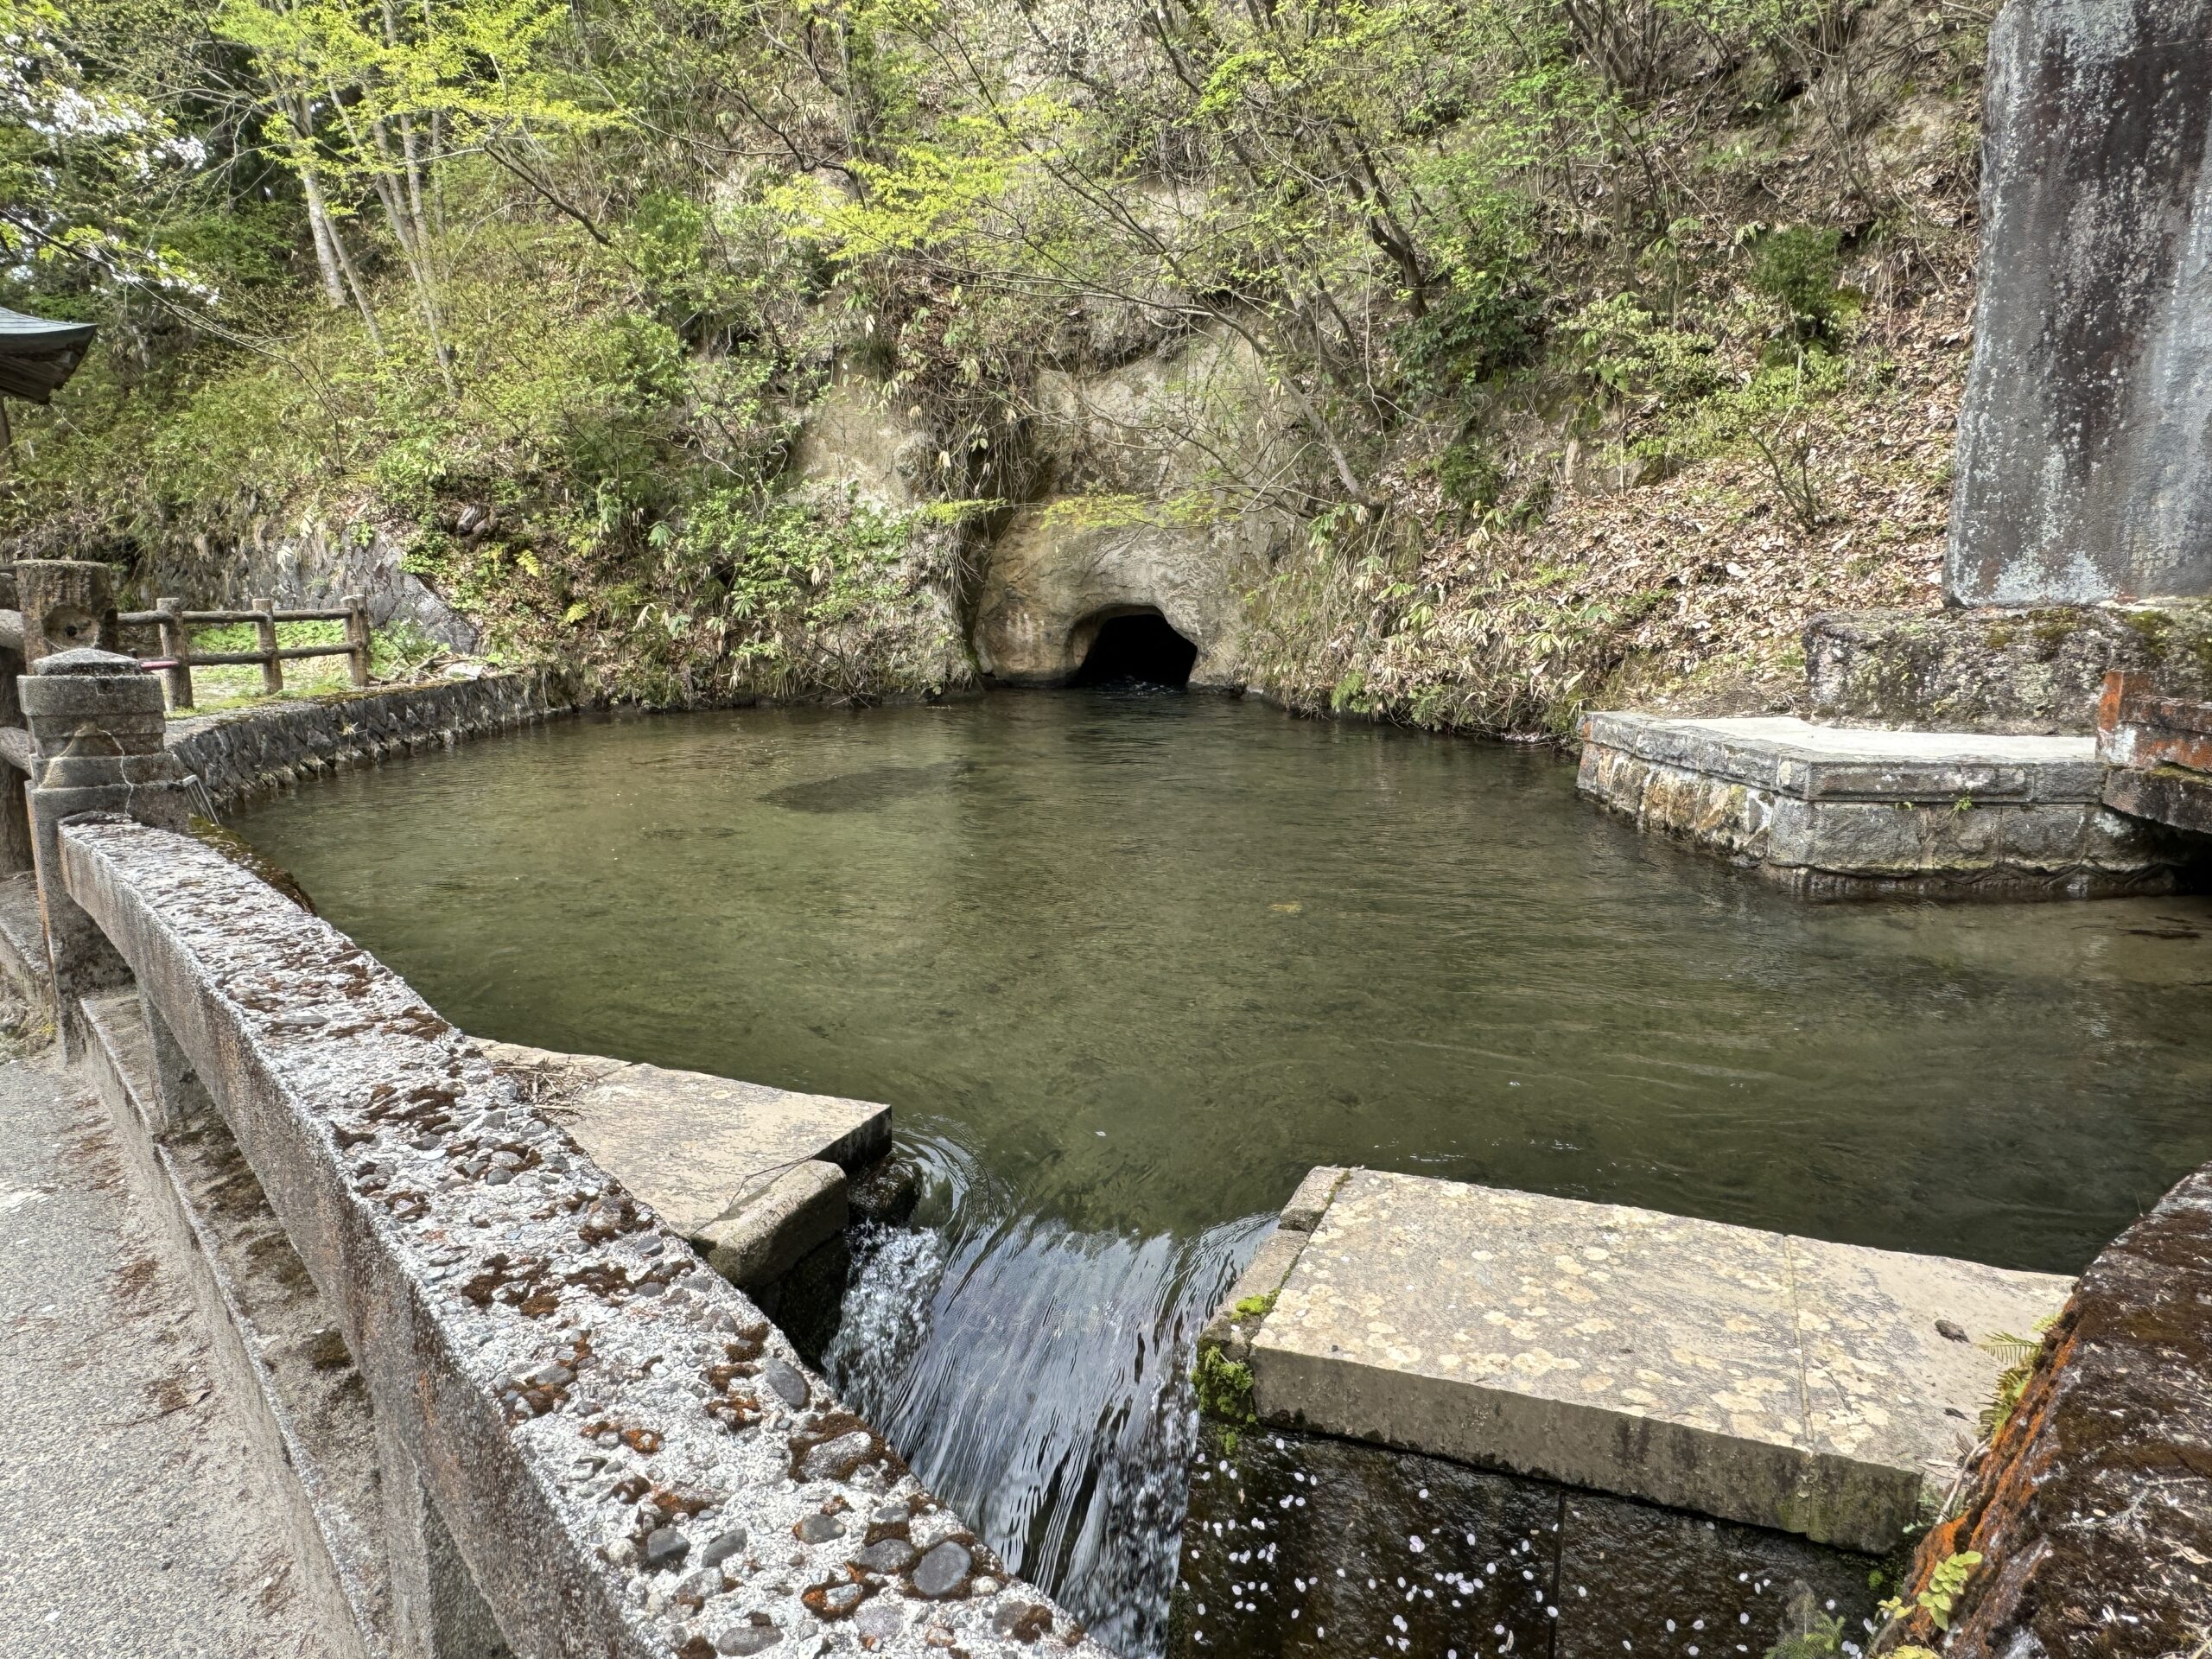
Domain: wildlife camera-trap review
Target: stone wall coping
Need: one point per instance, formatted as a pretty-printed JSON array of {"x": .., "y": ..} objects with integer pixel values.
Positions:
[
  {"x": 1819, "y": 1389},
  {"x": 630, "y": 1459},
  {"x": 1796, "y": 758}
]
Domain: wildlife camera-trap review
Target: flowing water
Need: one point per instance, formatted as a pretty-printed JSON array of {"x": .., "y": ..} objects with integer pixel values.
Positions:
[{"x": 1127, "y": 967}]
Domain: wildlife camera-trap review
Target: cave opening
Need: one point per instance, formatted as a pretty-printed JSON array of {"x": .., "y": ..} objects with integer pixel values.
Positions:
[{"x": 1140, "y": 648}]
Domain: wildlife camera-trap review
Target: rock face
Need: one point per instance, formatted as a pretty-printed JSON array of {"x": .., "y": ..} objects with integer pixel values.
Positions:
[
  {"x": 1151, "y": 504},
  {"x": 853, "y": 438},
  {"x": 1056, "y": 575},
  {"x": 2085, "y": 444},
  {"x": 2093, "y": 1511},
  {"x": 314, "y": 563}
]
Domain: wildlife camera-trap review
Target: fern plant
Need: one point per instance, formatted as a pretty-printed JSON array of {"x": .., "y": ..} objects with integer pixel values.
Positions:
[{"x": 2019, "y": 1355}]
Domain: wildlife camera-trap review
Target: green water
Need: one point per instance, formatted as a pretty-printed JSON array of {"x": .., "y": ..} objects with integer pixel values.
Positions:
[{"x": 1127, "y": 967}]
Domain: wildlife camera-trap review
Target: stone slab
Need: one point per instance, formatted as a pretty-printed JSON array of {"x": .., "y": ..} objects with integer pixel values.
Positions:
[
  {"x": 775, "y": 1223},
  {"x": 1998, "y": 668},
  {"x": 1797, "y": 757},
  {"x": 1748, "y": 1375},
  {"x": 1838, "y": 812},
  {"x": 698, "y": 1148},
  {"x": 285, "y": 1369}
]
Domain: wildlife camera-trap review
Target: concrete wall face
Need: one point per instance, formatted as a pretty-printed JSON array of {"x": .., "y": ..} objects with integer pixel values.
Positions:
[{"x": 2085, "y": 445}]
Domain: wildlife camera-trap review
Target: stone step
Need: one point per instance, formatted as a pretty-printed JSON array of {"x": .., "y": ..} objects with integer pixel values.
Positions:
[
  {"x": 1823, "y": 1390},
  {"x": 1837, "y": 812},
  {"x": 754, "y": 1177},
  {"x": 281, "y": 1355}
]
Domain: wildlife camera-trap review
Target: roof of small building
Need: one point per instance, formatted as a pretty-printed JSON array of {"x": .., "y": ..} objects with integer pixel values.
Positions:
[{"x": 36, "y": 356}]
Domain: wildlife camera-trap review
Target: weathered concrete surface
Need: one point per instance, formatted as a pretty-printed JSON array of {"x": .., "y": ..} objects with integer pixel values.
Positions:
[
  {"x": 754, "y": 1176},
  {"x": 2158, "y": 752},
  {"x": 1300, "y": 1545},
  {"x": 630, "y": 1460},
  {"x": 2093, "y": 1509},
  {"x": 280, "y": 1363},
  {"x": 138, "y": 1520},
  {"x": 1784, "y": 1383},
  {"x": 2037, "y": 671},
  {"x": 1848, "y": 813},
  {"x": 242, "y": 753},
  {"x": 2085, "y": 441}
]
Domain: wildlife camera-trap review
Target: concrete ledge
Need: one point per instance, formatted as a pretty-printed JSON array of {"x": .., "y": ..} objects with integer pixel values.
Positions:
[
  {"x": 629, "y": 1459},
  {"x": 1844, "y": 814},
  {"x": 243, "y": 753},
  {"x": 1817, "y": 1388}
]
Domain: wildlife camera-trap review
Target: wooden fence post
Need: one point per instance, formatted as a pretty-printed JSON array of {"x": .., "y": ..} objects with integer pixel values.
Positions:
[
  {"x": 357, "y": 635},
  {"x": 272, "y": 670},
  {"x": 177, "y": 646}
]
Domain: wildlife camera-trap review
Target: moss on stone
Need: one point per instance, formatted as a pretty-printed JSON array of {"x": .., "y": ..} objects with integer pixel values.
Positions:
[{"x": 1224, "y": 1387}]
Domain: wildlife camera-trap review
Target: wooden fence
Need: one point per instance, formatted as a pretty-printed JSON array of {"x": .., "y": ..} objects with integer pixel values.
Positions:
[{"x": 178, "y": 659}]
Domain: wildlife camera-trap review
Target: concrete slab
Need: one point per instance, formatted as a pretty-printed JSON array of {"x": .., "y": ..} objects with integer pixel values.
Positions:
[
  {"x": 725, "y": 1163},
  {"x": 1794, "y": 757},
  {"x": 1854, "y": 812},
  {"x": 22, "y": 939},
  {"x": 1808, "y": 1386}
]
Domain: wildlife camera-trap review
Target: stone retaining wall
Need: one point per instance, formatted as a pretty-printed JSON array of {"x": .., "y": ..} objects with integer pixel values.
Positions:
[
  {"x": 2039, "y": 670},
  {"x": 246, "y": 752},
  {"x": 1847, "y": 815}
]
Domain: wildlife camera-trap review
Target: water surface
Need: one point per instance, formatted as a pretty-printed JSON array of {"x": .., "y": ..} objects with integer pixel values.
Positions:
[{"x": 1127, "y": 967}]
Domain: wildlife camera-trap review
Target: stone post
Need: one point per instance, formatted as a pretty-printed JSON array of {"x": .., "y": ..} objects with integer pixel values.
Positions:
[
  {"x": 68, "y": 605},
  {"x": 98, "y": 742},
  {"x": 2085, "y": 441}
]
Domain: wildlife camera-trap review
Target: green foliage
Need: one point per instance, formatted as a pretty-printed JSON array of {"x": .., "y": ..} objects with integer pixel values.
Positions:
[
  {"x": 571, "y": 277},
  {"x": 1256, "y": 1307},
  {"x": 1797, "y": 267},
  {"x": 2021, "y": 1355},
  {"x": 1225, "y": 1387},
  {"x": 1945, "y": 1584}
]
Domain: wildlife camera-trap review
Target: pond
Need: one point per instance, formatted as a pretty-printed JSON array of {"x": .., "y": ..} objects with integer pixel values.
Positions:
[{"x": 1127, "y": 966}]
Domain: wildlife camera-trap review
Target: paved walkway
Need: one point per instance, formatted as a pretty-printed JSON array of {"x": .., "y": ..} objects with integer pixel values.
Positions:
[{"x": 132, "y": 1520}]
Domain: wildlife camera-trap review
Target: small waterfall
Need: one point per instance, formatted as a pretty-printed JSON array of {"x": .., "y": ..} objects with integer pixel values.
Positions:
[{"x": 1038, "y": 1378}]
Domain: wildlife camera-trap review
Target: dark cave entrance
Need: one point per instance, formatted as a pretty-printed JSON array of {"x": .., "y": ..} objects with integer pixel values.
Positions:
[{"x": 1139, "y": 646}]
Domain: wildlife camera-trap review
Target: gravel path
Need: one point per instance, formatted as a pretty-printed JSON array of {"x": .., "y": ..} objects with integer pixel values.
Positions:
[{"x": 132, "y": 1519}]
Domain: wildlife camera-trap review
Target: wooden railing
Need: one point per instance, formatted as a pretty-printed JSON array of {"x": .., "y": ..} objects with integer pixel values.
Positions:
[{"x": 178, "y": 659}]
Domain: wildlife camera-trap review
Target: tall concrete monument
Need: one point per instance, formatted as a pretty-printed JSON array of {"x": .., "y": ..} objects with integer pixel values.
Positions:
[{"x": 2085, "y": 445}]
